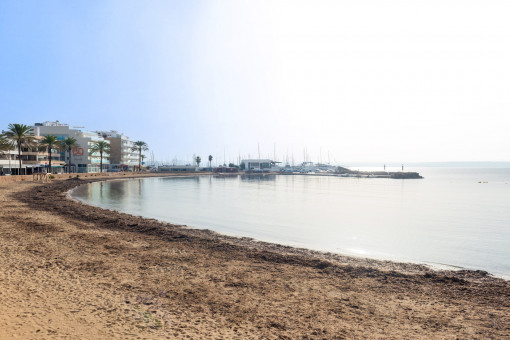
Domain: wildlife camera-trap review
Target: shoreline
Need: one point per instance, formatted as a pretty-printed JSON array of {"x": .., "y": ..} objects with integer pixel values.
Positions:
[
  {"x": 101, "y": 273},
  {"x": 410, "y": 267},
  {"x": 249, "y": 242}
]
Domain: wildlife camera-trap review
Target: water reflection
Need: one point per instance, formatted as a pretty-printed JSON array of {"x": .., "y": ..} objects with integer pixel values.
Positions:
[
  {"x": 258, "y": 177},
  {"x": 117, "y": 190}
]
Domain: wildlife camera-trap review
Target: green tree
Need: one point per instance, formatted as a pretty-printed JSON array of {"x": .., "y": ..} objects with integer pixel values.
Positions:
[
  {"x": 210, "y": 160},
  {"x": 21, "y": 136},
  {"x": 101, "y": 147},
  {"x": 50, "y": 142},
  {"x": 198, "y": 160},
  {"x": 68, "y": 145},
  {"x": 140, "y": 146}
]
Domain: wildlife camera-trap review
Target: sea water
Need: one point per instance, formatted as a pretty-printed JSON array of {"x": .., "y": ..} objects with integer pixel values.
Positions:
[{"x": 458, "y": 217}]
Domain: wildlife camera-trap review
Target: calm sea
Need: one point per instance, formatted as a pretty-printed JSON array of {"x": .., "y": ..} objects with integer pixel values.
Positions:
[{"x": 454, "y": 216}]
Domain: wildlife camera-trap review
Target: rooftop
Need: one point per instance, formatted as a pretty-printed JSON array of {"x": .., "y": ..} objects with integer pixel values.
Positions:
[{"x": 48, "y": 123}]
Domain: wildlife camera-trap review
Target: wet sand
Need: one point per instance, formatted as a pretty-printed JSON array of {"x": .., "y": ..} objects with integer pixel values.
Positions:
[{"x": 69, "y": 270}]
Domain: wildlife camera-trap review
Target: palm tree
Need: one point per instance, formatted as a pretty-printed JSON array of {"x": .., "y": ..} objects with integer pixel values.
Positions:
[
  {"x": 198, "y": 160},
  {"x": 101, "y": 147},
  {"x": 139, "y": 146},
  {"x": 210, "y": 160},
  {"x": 68, "y": 145},
  {"x": 21, "y": 136},
  {"x": 5, "y": 144},
  {"x": 49, "y": 142}
]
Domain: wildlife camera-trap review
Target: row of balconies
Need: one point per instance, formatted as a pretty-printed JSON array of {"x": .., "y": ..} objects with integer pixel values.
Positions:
[{"x": 33, "y": 157}]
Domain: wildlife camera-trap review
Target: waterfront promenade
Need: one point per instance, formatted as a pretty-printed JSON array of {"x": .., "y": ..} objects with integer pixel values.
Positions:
[{"x": 70, "y": 270}]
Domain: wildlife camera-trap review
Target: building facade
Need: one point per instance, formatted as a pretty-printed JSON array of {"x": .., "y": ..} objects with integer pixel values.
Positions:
[
  {"x": 256, "y": 164},
  {"x": 8, "y": 161},
  {"x": 82, "y": 159},
  {"x": 122, "y": 156},
  {"x": 36, "y": 159},
  {"x": 33, "y": 160}
]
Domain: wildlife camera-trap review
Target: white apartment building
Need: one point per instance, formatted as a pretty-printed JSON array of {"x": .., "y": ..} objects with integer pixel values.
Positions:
[
  {"x": 8, "y": 161},
  {"x": 32, "y": 161},
  {"x": 122, "y": 156},
  {"x": 82, "y": 160}
]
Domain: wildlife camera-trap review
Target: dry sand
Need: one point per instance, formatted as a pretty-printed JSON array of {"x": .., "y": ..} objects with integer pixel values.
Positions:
[{"x": 68, "y": 270}]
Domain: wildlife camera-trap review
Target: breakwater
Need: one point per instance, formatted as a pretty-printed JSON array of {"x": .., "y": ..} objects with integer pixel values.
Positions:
[
  {"x": 383, "y": 174},
  {"x": 358, "y": 174}
]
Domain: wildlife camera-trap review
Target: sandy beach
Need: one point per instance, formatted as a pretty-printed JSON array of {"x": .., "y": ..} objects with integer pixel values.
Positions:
[{"x": 74, "y": 271}]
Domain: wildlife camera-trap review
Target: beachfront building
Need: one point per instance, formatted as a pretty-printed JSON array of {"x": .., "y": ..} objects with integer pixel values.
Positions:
[
  {"x": 86, "y": 160},
  {"x": 8, "y": 161},
  {"x": 33, "y": 160},
  {"x": 256, "y": 164},
  {"x": 36, "y": 160},
  {"x": 82, "y": 160},
  {"x": 122, "y": 157}
]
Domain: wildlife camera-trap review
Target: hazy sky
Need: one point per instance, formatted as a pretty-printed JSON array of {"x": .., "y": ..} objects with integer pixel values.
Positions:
[{"x": 363, "y": 80}]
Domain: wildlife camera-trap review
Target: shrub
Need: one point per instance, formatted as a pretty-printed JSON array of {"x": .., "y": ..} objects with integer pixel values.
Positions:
[{"x": 52, "y": 177}]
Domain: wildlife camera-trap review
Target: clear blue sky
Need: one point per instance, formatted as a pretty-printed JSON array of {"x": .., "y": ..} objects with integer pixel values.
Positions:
[{"x": 364, "y": 81}]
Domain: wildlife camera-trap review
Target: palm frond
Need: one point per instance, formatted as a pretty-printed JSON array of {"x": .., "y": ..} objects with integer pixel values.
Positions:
[
  {"x": 100, "y": 147},
  {"x": 5, "y": 144},
  {"x": 50, "y": 142},
  {"x": 20, "y": 135},
  {"x": 69, "y": 143},
  {"x": 139, "y": 146}
]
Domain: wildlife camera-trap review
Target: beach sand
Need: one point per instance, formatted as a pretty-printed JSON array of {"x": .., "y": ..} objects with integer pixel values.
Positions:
[{"x": 68, "y": 270}]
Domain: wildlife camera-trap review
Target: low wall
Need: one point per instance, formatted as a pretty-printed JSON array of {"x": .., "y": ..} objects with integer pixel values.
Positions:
[{"x": 30, "y": 178}]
